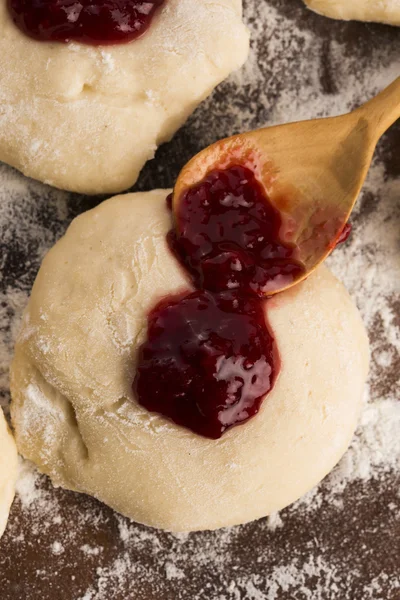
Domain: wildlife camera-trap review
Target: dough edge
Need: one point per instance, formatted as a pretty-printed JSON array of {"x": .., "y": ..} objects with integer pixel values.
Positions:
[
  {"x": 380, "y": 11},
  {"x": 8, "y": 471}
]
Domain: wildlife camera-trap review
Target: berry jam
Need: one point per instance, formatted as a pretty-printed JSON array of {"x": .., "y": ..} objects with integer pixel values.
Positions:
[
  {"x": 208, "y": 361},
  {"x": 227, "y": 236},
  {"x": 344, "y": 234},
  {"x": 210, "y": 358},
  {"x": 88, "y": 21}
]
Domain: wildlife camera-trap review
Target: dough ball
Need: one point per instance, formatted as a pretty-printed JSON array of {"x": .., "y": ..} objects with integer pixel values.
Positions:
[
  {"x": 75, "y": 414},
  {"x": 86, "y": 118},
  {"x": 8, "y": 471},
  {"x": 381, "y": 11}
]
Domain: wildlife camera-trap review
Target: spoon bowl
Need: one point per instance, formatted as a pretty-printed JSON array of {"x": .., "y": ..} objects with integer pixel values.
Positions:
[{"x": 312, "y": 172}]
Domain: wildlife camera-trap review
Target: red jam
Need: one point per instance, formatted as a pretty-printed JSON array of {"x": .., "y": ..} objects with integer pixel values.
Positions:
[
  {"x": 208, "y": 361},
  {"x": 210, "y": 358},
  {"x": 88, "y": 21},
  {"x": 228, "y": 236},
  {"x": 344, "y": 234}
]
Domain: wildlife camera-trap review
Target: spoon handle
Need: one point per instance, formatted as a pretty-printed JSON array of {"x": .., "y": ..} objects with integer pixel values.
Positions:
[{"x": 383, "y": 110}]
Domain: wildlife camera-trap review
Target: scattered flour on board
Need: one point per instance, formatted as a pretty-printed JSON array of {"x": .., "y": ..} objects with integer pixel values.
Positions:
[
  {"x": 368, "y": 265},
  {"x": 57, "y": 548}
]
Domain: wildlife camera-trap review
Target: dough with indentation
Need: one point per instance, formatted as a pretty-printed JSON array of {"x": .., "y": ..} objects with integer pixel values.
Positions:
[
  {"x": 381, "y": 11},
  {"x": 73, "y": 407},
  {"x": 86, "y": 118},
  {"x": 8, "y": 471}
]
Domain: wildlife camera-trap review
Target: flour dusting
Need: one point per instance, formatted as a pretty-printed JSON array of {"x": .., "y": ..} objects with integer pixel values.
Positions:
[{"x": 338, "y": 542}]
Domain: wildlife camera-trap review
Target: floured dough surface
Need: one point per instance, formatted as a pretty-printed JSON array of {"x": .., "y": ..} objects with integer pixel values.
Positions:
[
  {"x": 87, "y": 118},
  {"x": 381, "y": 11},
  {"x": 73, "y": 407},
  {"x": 8, "y": 471}
]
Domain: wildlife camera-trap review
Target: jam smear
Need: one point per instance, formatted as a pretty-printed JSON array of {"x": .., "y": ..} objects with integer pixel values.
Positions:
[
  {"x": 87, "y": 21},
  {"x": 210, "y": 358},
  {"x": 227, "y": 236},
  {"x": 344, "y": 234}
]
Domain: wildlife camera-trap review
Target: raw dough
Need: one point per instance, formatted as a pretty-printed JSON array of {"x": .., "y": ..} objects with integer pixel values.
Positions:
[
  {"x": 73, "y": 408},
  {"x": 8, "y": 471},
  {"x": 381, "y": 11},
  {"x": 87, "y": 119}
]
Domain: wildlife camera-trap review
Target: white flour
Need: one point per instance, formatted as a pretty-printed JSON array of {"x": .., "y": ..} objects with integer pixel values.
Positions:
[{"x": 368, "y": 264}]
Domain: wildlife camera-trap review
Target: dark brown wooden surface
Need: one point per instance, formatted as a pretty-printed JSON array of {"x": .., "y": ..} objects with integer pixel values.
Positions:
[{"x": 66, "y": 546}]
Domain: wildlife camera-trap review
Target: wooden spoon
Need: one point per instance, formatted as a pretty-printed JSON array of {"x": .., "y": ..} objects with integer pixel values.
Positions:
[{"x": 312, "y": 171}]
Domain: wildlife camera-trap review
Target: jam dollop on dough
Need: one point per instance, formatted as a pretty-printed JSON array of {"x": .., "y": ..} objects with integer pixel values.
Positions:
[
  {"x": 210, "y": 358},
  {"x": 88, "y": 21}
]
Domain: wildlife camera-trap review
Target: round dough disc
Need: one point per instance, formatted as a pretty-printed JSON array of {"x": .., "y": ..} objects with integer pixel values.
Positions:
[
  {"x": 73, "y": 407},
  {"x": 8, "y": 471},
  {"x": 86, "y": 118},
  {"x": 381, "y": 11}
]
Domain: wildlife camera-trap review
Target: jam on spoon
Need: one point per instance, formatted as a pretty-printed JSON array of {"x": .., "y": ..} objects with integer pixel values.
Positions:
[
  {"x": 210, "y": 358},
  {"x": 227, "y": 235},
  {"x": 96, "y": 22}
]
